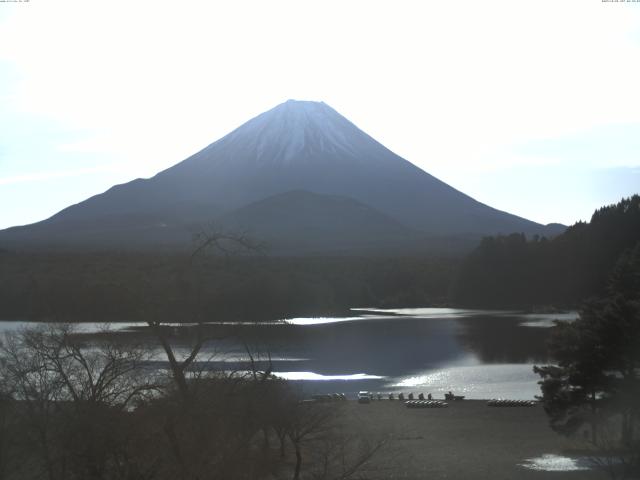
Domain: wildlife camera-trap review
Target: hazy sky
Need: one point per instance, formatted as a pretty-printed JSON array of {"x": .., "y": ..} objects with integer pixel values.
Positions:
[{"x": 531, "y": 106}]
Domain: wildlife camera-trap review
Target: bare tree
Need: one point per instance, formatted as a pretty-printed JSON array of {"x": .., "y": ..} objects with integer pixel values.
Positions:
[
  {"x": 333, "y": 450},
  {"x": 308, "y": 421},
  {"x": 342, "y": 455},
  {"x": 209, "y": 239},
  {"x": 72, "y": 395},
  {"x": 196, "y": 415},
  {"x": 607, "y": 453}
]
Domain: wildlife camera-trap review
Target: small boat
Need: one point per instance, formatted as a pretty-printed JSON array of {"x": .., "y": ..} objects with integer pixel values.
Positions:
[
  {"x": 425, "y": 404},
  {"x": 451, "y": 396}
]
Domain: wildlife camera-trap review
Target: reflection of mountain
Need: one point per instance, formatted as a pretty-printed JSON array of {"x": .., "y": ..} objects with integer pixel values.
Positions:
[
  {"x": 487, "y": 353},
  {"x": 503, "y": 340},
  {"x": 392, "y": 346},
  {"x": 402, "y": 345},
  {"x": 387, "y": 347},
  {"x": 300, "y": 164}
]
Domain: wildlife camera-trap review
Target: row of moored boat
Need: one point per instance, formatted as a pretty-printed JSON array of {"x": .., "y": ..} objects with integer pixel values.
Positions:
[{"x": 425, "y": 404}]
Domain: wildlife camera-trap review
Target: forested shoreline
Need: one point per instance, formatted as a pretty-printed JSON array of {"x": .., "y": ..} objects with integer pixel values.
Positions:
[
  {"x": 135, "y": 287},
  {"x": 513, "y": 271}
]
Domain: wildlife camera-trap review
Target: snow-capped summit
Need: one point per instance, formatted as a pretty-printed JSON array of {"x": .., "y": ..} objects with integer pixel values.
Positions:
[
  {"x": 294, "y": 131},
  {"x": 295, "y": 127}
]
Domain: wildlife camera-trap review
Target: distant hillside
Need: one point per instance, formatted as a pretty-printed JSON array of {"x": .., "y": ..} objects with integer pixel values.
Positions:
[
  {"x": 303, "y": 222},
  {"x": 296, "y": 146},
  {"x": 508, "y": 271}
]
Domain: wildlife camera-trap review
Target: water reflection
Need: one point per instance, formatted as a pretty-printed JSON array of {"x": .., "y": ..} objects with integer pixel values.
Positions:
[
  {"x": 503, "y": 339},
  {"x": 316, "y": 377},
  {"x": 475, "y": 381},
  {"x": 480, "y": 353},
  {"x": 556, "y": 463}
]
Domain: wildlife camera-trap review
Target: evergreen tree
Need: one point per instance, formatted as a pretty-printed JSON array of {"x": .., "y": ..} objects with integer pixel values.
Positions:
[
  {"x": 511, "y": 271},
  {"x": 597, "y": 377}
]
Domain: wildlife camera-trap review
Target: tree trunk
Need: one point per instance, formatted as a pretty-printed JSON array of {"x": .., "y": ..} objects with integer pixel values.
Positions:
[
  {"x": 266, "y": 445},
  {"x": 593, "y": 422},
  {"x": 627, "y": 428},
  {"x": 174, "y": 444},
  {"x": 282, "y": 439},
  {"x": 296, "y": 473}
]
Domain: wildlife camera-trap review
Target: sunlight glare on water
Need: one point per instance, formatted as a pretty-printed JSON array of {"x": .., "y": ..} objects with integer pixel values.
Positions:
[
  {"x": 321, "y": 320},
  {"x": 422, "y": 312},
  {"x": 317, "y": 376},
  {"x": 318, "y": 320},
  {"x": 513, "y": 381},
  {"x": 555, "y": 463},
  {"x": 547, "y": 320}
]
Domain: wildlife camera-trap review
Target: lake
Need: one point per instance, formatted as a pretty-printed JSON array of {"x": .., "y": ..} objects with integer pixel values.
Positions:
[{"x": 477, "y": 353}]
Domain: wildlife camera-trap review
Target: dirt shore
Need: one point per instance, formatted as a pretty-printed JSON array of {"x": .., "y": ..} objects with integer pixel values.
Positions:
[{"x": 466, "y": 440}]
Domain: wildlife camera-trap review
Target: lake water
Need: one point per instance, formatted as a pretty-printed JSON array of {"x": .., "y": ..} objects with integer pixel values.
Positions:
[{"x": 477, "y": 353}]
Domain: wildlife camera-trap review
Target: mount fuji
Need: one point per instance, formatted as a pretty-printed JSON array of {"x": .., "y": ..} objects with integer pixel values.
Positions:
[{"x": 300, "y": 176}]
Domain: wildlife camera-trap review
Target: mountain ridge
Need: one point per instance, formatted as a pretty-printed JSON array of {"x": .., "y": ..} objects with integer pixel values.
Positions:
[{"x": 295, "y": 146}]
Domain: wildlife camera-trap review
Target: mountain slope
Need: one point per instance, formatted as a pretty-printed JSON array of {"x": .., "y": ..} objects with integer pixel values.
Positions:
[
  {"x": 304, "y": 146},
  {"x": 304, "y": 222}
]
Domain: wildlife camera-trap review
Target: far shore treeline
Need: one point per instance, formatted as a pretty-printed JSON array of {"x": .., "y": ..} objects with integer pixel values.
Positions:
[
  {"x": 509, "y": 271},
  {"x": 513, "y": 271},
  {"x": 138, "y": 287}
]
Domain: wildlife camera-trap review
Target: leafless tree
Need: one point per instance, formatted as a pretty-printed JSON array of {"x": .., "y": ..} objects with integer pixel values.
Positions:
[
  {"x": 606, "y": 452},
  {"x": 71, "y": 395},
  {"x": 342, "y": 455},
  {"x": 308, "y": 421},
  {"x": 331, "y": 448},
  {"x": 201, "y": 412},
  {"x": 207, "y": 240}
]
